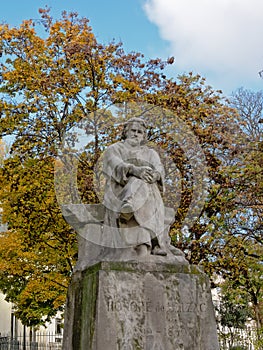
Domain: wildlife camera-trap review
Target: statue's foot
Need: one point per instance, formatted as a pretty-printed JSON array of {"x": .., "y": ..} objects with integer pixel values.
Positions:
[
  {"x": 142, "y": 250},
  {"x": 126, "y": 212},
  {"x": 158, "y": 251},
  {"x": 175, "y": 251}
]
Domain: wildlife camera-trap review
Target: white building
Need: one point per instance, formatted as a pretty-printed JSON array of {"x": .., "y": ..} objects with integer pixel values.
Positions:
[
  {"x": 12, "y": 330},
  {"x": 244, "y": 338},
  {"x": 5, "y": 318}
]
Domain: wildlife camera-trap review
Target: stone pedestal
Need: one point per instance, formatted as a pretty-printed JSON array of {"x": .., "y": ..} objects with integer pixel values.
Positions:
[{"x": 139, "y": 306}]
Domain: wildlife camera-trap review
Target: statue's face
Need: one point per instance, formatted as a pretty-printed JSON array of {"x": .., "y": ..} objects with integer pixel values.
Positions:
[{"x": 135, "y": 134}]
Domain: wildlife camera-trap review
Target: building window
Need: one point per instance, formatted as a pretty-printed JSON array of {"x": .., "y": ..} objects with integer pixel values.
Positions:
[{"x": 58, "y": 326}]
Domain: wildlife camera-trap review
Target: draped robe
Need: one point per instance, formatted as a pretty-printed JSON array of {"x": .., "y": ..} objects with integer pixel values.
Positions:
[{"x": 147, "y": 222}]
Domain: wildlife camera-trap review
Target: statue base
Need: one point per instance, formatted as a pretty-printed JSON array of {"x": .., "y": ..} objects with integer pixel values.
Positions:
[{"x": 139, "y": 306}]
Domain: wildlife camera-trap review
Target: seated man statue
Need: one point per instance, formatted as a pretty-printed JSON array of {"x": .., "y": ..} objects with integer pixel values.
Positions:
[{"x": 134, "y": 175}]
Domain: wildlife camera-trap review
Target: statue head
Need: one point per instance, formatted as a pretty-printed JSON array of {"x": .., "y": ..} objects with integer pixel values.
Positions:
[{"x": 135, "y": 124}]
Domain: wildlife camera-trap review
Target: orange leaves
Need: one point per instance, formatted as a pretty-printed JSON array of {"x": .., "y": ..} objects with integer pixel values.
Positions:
[
  {"x": 36, "y": 253},
  {"x": 52, "y": 81},
  {"x": 68, "y": 74},
  {"x": 40, "y": 299}
]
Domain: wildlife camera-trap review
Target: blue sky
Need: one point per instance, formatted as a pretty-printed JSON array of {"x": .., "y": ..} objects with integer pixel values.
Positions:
[
  {"x": 123, "y": 20},
  {"x": 219, "y": 39}
]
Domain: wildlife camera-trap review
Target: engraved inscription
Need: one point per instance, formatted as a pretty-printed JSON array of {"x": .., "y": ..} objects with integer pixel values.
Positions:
[
  {"x": 148, "y": 306},
  {"x": 131, "y": 305},
  {"x": 159, "y": 312}
]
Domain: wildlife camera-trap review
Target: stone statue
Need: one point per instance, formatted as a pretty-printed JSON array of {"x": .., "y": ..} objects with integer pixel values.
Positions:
[
  {"x": 131, "y": 289},
  {"x": 132, "y": 223},
  {"x": 134, "y": 183}
]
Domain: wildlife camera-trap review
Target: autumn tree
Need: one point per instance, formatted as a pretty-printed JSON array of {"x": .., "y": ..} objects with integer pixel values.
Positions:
[
  {"x": 245, "y": 222},
  {"x": 65, "y": 79},
  {"x": 48, "y": 85},
  {"x": 238, "y": 238}
]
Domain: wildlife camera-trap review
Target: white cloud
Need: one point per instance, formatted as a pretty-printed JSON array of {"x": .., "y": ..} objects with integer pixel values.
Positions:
[{"x": 220, "y": 39}]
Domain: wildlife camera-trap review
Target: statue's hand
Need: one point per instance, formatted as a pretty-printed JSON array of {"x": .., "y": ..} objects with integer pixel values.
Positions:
[
  {"x": 155, "y": 176},
  {"x": 145, "y": 173}
]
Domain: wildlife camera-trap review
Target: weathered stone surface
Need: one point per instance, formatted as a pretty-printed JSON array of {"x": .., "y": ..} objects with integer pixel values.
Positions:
[
  {"x": 140, "y": 306},
  {"x": 132, "y": 290},
  {"x": 87, "y": 220}
]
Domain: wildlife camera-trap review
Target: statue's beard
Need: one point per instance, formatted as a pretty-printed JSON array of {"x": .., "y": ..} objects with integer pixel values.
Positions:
[{"x": 134, "y": 142}]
